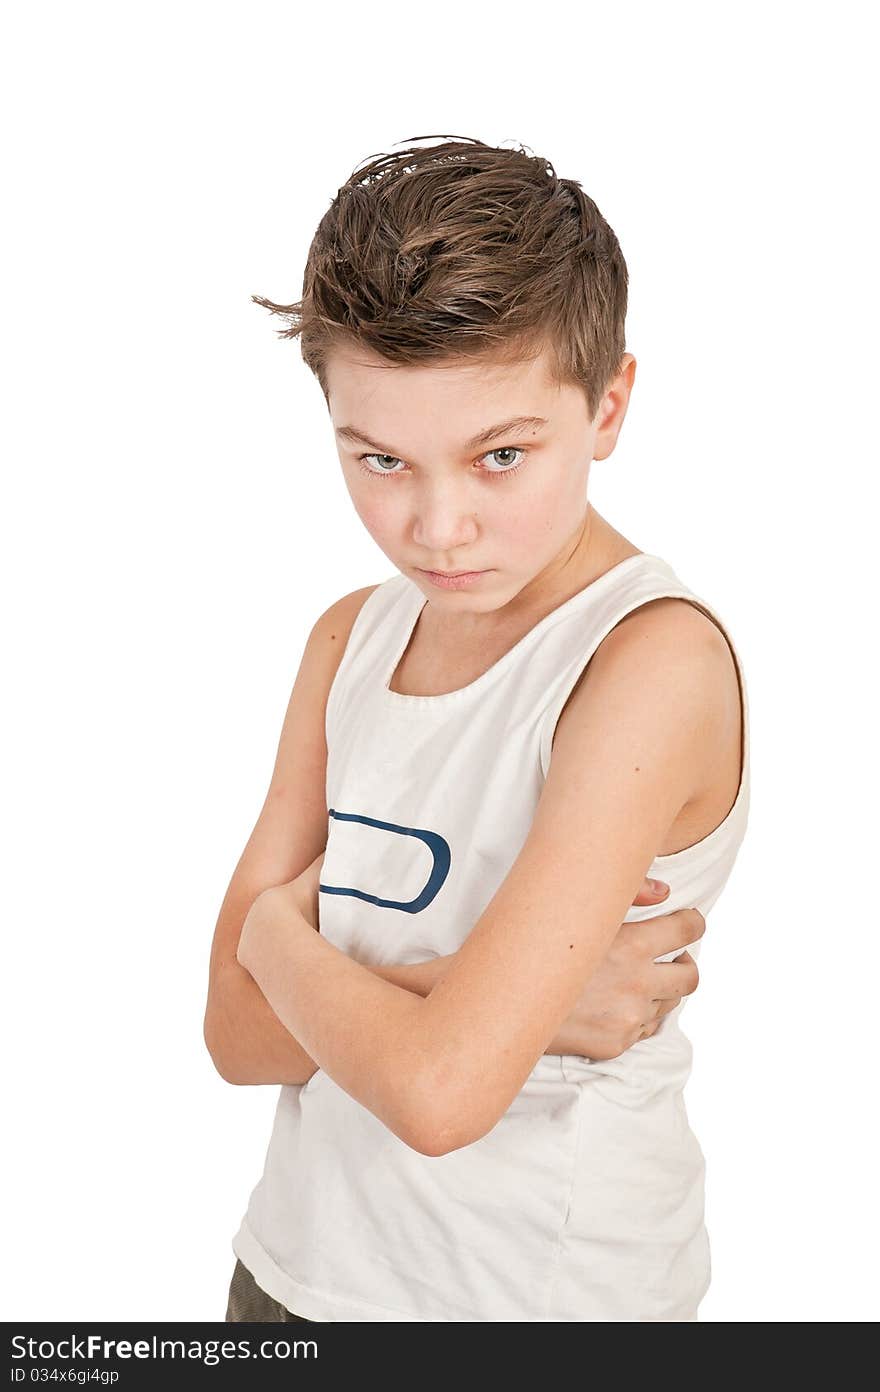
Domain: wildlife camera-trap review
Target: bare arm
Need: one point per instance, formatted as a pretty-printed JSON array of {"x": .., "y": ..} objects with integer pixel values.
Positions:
[
  {"x": 243, "y": 1035},
  {"x": 248, "y": 1043},
  {"x": 622, "y": 1003},
  {"x": 625, "y": 1001},
  {"x": 253, "y": 1046},
  {"x": 473, "y": 1039}
]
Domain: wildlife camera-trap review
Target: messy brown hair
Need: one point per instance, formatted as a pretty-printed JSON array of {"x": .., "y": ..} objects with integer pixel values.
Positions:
[{"x": 464, "y": 250}]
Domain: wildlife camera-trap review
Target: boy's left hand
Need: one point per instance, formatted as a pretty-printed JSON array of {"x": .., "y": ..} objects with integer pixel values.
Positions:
[{"x": 299, "y": 895}]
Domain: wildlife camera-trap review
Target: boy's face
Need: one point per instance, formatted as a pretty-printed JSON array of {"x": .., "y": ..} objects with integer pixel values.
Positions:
[{"x": 434, "y": 498}]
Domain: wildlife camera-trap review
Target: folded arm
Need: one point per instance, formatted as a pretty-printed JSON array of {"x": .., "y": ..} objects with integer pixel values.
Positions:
[
  {"x": 250, "y": 1046},
  {"x": 629, "y": 752}
]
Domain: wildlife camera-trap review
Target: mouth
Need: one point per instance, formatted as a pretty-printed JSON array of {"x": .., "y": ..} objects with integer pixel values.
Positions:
[
  {"x": 453, "y": 579},
  {"x": 452, "y": 574}
]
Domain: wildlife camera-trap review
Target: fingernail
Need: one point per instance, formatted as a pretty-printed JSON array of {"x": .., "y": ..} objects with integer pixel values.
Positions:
[{"x": 658, "y": 886}]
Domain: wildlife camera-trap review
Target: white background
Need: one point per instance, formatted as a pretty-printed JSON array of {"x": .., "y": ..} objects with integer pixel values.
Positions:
[{"x": 175, "y": 519}]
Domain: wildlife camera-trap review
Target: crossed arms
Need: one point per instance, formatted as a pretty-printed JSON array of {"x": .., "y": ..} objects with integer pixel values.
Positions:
[{"x": 441, "y": 1069}]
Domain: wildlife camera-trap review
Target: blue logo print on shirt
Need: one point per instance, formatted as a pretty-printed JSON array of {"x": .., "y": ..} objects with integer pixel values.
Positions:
[{"x": 436, "y": 844}]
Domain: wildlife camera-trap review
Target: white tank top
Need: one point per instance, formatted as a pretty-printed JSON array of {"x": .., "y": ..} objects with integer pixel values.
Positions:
[{"x": 586, "y": 1200}]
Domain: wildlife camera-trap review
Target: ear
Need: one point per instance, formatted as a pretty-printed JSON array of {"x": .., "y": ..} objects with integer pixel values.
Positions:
[{"x": 613, "y": 407}]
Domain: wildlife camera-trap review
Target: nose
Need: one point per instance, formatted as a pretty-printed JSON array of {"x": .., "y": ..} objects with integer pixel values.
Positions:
[{"x": 444, "y": 518}]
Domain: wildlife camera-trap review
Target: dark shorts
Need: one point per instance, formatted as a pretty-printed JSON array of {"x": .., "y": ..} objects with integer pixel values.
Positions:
[{"x": 249, "y": 1303}]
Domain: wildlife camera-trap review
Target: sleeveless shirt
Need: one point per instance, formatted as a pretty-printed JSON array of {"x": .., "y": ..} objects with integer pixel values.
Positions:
[{"x": 586, "y": 1200}]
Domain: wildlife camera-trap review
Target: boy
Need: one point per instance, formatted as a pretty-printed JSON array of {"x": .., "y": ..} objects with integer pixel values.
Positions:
[{"x": 452, "y": 1140}]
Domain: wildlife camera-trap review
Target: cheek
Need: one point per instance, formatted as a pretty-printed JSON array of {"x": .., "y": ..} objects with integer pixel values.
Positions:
[
  {"x": 378, "y": 514},
  {"x": 556, "y": 502},
  {"x": 529, "y": 517}
]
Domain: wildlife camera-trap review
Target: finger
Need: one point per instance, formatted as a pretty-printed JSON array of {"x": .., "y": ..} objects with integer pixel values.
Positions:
[
  {"x": 664, "y": 1006},
  {"x": 652, "y": 892},
  {"x": 678, "y": 978},
  {"x": 668, "y": 932}
]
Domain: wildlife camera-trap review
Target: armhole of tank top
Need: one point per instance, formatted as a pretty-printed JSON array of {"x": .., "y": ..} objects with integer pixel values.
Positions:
[
  {"x": 384, "y": 597},
  {"x": 573, "y": 673}
]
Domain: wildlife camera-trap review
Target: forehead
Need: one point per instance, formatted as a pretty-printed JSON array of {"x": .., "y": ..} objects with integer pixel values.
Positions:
[{"x": 361, "y": 385}]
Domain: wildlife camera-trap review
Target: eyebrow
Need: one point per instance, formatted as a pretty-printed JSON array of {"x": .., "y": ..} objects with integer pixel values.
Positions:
[{"x": 352, "y": 433}]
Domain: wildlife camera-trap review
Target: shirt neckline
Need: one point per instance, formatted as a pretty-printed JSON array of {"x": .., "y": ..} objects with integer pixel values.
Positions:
[{"x": 492, "y": 673}]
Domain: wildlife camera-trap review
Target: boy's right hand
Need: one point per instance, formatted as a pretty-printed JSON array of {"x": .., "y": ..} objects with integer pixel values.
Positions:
[{"x": 627, "y": 997}]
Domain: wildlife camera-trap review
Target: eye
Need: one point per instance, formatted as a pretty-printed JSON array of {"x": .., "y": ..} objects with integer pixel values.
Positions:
[
  {"x": 382, "y": 472},
  {"x": 389, "y": 472},
  {"x": 506, "y": 449}
]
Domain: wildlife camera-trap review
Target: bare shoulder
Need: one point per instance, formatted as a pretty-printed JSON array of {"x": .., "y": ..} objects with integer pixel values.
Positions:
[
  {"x": 681, "y": 663},
  {"x": 675, "y": 617},
  {"x": 332, "y": 628},
  {"x": 668, "y": 635},
  {"x": 673, "y": 634}
]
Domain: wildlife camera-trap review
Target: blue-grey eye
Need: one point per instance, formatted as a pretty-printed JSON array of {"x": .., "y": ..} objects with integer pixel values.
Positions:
[
  {"x": 505, "y": 449},
  {"x": 382, "y": 469}
]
